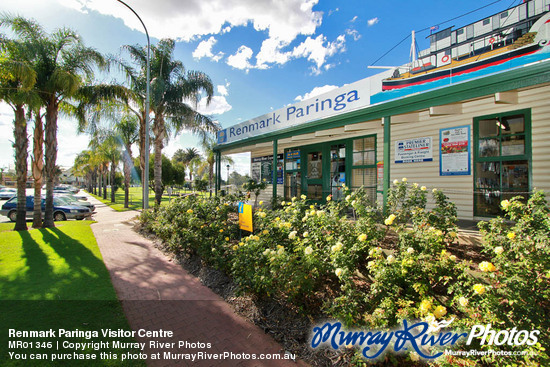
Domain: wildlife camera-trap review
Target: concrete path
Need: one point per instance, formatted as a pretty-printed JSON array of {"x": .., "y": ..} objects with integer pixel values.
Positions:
[{"x": 158, "y": 294}]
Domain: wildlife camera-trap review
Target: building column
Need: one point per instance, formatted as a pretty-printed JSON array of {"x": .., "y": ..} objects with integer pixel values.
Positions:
[
  {"x": 387, "y": 150},
  {"x": 274, "y": 167}
]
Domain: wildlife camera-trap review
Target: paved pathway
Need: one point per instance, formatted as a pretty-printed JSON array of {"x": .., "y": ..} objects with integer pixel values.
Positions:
[{"x": 158, "y": 294}]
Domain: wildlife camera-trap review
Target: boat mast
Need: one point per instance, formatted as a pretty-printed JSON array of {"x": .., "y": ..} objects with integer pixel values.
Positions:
[{"x": 412, "y": 55}]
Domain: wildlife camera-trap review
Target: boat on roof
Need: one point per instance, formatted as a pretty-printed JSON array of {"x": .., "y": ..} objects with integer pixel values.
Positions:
[{"x": 518, "y": 31}]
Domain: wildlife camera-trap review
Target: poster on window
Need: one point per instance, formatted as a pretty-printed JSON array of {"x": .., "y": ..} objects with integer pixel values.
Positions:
[
  {"x": 454, "y": 152},
  {"x": 413, "y": 150},
  {"x": 262, "y": 168}
]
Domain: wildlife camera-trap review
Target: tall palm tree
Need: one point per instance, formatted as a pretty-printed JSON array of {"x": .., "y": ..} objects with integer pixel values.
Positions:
[
  {"x": 128, "y": 131},
  {"x": 62, "y": 64},
  {"x": 175, "y": 94},
  {"x": 190, "y": 155},
  {"x": 17, "y": 77}
]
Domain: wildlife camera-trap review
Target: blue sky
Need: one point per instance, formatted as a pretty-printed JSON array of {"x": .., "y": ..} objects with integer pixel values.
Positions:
[{"x": 260, "y": 54}]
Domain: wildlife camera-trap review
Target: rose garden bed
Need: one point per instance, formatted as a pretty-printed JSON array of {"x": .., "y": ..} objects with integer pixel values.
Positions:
[{"x": 306, "y": 263}]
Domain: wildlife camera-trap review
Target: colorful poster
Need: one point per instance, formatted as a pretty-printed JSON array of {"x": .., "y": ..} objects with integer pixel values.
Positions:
[
  {"x": 413, "y": 150},
  {"x": 454, "y": 152}
]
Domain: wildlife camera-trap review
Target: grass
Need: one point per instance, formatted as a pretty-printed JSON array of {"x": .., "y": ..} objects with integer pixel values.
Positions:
[
  {"x": 55, "y": 278},
  {"x": 135, "y": 198}
]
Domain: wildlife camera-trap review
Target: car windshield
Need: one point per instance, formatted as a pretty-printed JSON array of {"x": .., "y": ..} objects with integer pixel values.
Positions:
[{"x": 60, "y": 202}]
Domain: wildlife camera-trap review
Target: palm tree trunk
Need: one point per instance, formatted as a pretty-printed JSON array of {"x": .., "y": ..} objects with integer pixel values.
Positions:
[
  {"x": 142, "y": 148},
  {"x": 21, "y": 145},
  {"x": 113, "y": 188},
  {"x": 158, "y": 129},
  {"x": 127, "y": 174},
  {"x": 50, "y": 159},
  {"x": 37, "y": 169},
  {"x": 105, "y": 172},
  {"x": 100, "y": 182}
]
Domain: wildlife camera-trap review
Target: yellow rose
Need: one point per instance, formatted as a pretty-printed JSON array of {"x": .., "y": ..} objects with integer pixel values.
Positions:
[
  {"x": 423, "y": 188},
  {"x": 235, "y": 247},
  {"x": 486, "y": 267},
  {"x": 425, "y": 306},
  {"x": 499, "y": 250},
  {"x": 440, "y": 311},
  {"x": 463, "y": 301},
  {"x": 261, "y": 202},
  {"x": 227, "y": 238},
  {"x": 338, "y": 272},
  {"x": 511, "y": 235},
  {"x": 404, "y": 179},
  {"x": 308, "y": 250},
  {"x": 362, "y": 237},
  {"x": 329, "y": 198},
  {"x": 505, "y": 204},
  {"x": 389, "y": 220},
  {"x": 190, "y": 211},
  {"x": 479, "y": 288}
]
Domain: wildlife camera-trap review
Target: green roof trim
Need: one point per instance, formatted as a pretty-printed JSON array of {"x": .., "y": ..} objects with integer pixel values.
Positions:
[{"x": 522, "y": 77}]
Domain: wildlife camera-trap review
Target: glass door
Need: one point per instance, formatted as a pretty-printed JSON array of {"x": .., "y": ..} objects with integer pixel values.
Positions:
[{"x": 313, "y": 183}]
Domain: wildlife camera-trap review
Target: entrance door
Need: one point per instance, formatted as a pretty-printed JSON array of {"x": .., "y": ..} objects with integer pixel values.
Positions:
[{"x": 313, "y": 183}]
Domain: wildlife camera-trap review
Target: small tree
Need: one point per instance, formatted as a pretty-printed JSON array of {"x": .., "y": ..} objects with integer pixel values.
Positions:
[{"x": 256, "y": 188}]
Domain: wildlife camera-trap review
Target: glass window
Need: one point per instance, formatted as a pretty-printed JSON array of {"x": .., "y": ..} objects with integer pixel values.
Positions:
[
  {"x": 363, "y": 172},
  {"x": 501, "y": 161}
]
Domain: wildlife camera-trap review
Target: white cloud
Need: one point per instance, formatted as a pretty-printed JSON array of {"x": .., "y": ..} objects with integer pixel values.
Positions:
[
  {"x": 316, "y": 92},
  {"x": 222, "y": 89},
  {"x": 318, "y": 49},
  {"x": 240, "y": 59},
  {"x": 372, "y": 21},
  {"x": 353, "y": 33},
  {"x": 217, "y": 106},
  {"x": 204, "y": 49},
  {"x": 354, "y": 19},
  {"x": 282, "y": 19}
]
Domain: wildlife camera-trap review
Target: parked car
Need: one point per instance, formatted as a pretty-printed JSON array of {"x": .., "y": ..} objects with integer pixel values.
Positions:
[
  {"x": 73, "y": 200},
  {"x": 67, "y": 192},
  {"x": 7, "y": 193},
  {"x": 61, "y": 210}
]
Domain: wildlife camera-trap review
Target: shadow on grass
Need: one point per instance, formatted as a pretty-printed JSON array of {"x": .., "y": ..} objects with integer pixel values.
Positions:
[{"x": 52, "y": 265}]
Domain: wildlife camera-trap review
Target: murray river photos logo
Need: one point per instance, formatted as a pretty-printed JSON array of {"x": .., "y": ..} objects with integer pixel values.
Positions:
[{"x": 417, "y": 336}]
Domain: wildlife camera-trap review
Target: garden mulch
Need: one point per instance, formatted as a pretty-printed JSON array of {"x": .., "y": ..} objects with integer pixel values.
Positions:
[{"x": 157, "y": 293}]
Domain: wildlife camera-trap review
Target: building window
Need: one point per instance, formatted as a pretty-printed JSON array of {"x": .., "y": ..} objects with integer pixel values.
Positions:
[
  {"x": 486, "y": 21},
  {"x": 363, "y": 172},
  {"x": 502, "y": 167}
]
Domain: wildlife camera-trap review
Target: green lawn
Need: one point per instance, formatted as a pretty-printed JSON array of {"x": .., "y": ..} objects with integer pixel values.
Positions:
[
  {"x": 55, "y": 279},
  {"x": 135, "y": 198}
]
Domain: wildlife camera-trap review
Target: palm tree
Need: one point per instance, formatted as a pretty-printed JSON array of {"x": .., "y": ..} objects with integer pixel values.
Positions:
[
  {"x": 209, "y": 145},
  {"x": 172, "y": 88},
  {"x": 128, "y": 131},
  {"x": 17, "y": 78},
  {"x": 62, "y": 63},
  {"x": 190, "y": 155}
]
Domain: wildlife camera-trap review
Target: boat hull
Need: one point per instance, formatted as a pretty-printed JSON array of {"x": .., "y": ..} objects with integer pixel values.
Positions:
[{"x": 448, "y": 72}]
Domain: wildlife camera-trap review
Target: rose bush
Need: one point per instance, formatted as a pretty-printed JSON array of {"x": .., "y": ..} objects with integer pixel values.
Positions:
[{"x": 372, "y": 267}]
